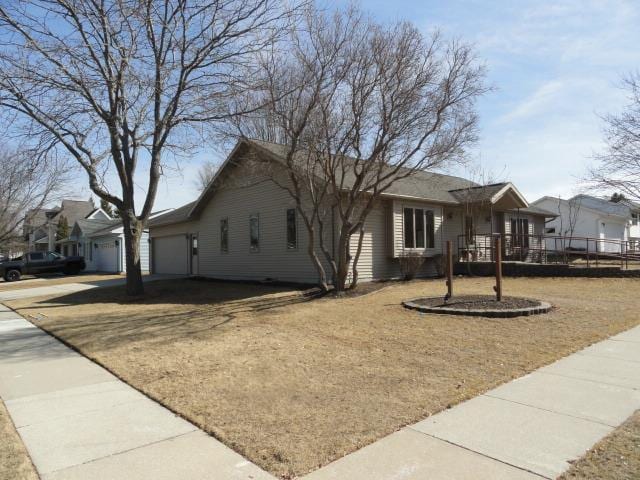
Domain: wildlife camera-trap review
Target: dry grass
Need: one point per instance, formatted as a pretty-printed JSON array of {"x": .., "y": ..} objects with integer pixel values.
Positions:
[
  {"x": 31, "y": 282},
  {"x": 15, "y": 464},
  {"x": 616, "y": 457},
  {"x": 294, "y": 385}
]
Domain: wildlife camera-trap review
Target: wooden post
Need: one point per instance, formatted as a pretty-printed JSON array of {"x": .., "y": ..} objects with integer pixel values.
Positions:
[
  {"x": 498, "y": 286},
  {"x": 588, "y": 263},
  {"x": 449, "y": 270}
]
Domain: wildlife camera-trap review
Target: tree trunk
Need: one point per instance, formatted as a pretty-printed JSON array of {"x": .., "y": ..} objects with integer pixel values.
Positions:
[
  {"x": 328, "y": 255},
  {"x": 311, "y": 250},
  {"x": 132, "y": 234},
  {"x": 322, "y": 277},
  {"x": 343, "y": 261},
  {"x": 354, "y": 280}
]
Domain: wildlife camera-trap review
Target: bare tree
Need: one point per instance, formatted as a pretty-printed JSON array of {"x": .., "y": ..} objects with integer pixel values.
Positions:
[
  {"x": 107, "y": 208},
  {"x": 561, "y": 229},
  {"x": 121, "y": 85},
  {"x": 475, "y": 200},
  {"x": 573, "y": 213},
  {"x": 29, "y": 180},
  {"x": 361, "y": 106},
  {"x": 618, "y": 167},
  {"x": 206, "y": 173}
]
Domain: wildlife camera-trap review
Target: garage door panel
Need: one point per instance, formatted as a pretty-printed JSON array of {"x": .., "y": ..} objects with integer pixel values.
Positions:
[
  {"x": 170, "y": 255},
  {"x": 106, "y": 256}
]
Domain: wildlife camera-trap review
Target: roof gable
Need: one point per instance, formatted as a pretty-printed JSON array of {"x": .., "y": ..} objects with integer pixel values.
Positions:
[
  {"x": 98, "y": 214},
  {"x": 88, "y": 227}
]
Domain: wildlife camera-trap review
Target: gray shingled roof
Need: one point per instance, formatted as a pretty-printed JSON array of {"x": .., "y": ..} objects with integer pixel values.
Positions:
[
  {"x": 603, "y": 205},
  {"x": 538, "y": 211},
  {"x": 436, "y": 187},
  {"x": 424, "y": 185},
  {"x": 74, "y": 210},
  {"x": 478, "y": 193},
  {"x": 37, "y": 217},
  {"x": 179, "y": 214},
  {"x": 90, "y": 227}
]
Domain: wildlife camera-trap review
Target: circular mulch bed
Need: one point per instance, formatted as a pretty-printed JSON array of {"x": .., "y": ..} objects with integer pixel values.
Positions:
[{"x": 479, "y": 305}]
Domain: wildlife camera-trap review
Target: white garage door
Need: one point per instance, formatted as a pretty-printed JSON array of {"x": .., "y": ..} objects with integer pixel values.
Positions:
[
  {"x": 614, "y": 232},
  {"x": 170, "y": 255},
  {"x": 106, "y": 256}
]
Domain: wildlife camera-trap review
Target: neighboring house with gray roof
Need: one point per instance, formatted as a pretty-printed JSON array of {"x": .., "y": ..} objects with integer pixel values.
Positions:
[
  {"x": 250, "y": 230},
  {"x": 40, "y": 226},
  {"x": 611, "y": 225},
  {"x": 101, "y": 243}
]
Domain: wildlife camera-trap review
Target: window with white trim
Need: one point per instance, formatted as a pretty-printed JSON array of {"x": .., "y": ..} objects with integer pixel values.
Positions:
[{"x": 419, "y": 228}]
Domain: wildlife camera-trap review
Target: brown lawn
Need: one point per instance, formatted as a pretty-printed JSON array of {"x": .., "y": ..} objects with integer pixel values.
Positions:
[
  {"x": 15, "y": 463},
  {"x": 616, "y": 457},
  {"x": 293, "y": 385}
]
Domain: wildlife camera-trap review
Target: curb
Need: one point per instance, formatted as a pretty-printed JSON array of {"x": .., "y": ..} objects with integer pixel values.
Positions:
[{"x": 544, "y": 307}]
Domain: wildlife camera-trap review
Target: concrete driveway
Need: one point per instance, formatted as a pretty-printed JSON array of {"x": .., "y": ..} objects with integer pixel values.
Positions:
[{"x": 66, "y": 288}]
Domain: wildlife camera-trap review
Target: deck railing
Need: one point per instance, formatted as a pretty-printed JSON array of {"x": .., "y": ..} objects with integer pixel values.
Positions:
[{"x": 549, "y": 249}]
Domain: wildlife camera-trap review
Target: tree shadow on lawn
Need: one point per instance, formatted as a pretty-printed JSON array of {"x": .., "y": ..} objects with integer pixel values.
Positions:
[{"x": 169, "y": 311}]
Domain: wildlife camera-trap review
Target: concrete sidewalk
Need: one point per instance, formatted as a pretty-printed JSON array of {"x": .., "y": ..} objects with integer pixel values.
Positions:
[
  {"x": 66, "y": 288},
  {"x": 527, "y": 429},
  {"x": 78, "y": 421}
]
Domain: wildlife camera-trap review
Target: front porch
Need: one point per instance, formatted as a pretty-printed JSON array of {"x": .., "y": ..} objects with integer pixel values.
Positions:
[
  {"x": 493, "y": 211},
  {"x": 69, "y": 247}
]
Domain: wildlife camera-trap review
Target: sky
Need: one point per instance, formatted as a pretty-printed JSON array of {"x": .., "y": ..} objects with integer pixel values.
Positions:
[{"x": 554, "y": 66}]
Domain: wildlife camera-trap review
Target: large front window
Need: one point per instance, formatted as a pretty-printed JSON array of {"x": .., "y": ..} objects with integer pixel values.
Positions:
[{"x": 419, "y": 228}]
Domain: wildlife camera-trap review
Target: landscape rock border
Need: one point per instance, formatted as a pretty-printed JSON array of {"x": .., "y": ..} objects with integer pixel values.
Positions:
[{"x": 543, "y": 307}]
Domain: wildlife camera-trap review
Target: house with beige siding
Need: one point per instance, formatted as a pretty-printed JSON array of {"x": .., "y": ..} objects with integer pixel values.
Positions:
[{"x": 251, "y": 230}]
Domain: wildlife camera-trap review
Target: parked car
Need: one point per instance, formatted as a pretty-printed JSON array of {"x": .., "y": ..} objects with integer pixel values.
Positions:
[{"x": 35, "y": 263}]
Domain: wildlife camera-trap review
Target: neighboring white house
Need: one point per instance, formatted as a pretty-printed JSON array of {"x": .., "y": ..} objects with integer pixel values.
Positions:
[
  {"x": 252, "y": 231},
  {"x": 101, "y": 243},
  {"x": 609, "y": 224}
]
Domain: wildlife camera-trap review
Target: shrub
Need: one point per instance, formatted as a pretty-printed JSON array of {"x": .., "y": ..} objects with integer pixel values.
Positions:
[
  {"x": 440, "y": 265},
  {"x": 410, "y": 263}
]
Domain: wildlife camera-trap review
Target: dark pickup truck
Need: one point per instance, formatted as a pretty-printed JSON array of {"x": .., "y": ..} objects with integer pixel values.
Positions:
[{"x": 35, "y": 263}]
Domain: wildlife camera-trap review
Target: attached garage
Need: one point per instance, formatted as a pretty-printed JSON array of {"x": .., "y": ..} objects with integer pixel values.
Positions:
[
  {"x": 611, "y": 234},
  {"x": 171, "y": 255}
]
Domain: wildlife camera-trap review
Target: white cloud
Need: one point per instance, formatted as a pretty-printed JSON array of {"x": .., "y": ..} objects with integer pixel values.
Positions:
[{"x": 538, "y": 102}]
